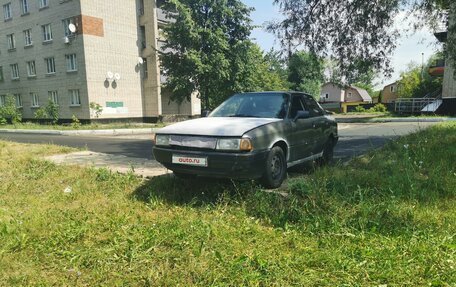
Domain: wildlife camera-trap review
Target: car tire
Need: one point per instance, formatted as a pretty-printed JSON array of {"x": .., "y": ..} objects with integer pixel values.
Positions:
[
  {"x": 328, "y": 153},
  {"x": 276, "y": 169}
]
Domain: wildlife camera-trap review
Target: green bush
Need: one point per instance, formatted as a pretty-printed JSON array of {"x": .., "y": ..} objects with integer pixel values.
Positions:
[
  {"x": 378, "y": 108},
  {"x": 360, "y": 109},
  {"x": 96, "y": 108},
  {"x": 41, "y": 114},
  {"x": 50, "y": 111},
  {"x": 75, "y": 122},
  {"x": 9, "y": 112}
]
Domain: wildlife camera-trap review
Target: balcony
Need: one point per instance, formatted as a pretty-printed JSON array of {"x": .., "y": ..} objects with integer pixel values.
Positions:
[
  {"x": 437, "y": 69},
  {"x": 441, "y": 31},
  {"x": 162, "y": 17}
]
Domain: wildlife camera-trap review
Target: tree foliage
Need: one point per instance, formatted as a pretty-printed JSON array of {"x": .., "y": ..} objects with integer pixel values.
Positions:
[
  {"x": 254, "y": 71},
  {"x": 9, "y": 112},
  {"x": 355, "y": 31},
  {"x": 306, "y": 73},
  {"x": 49, "y": 112},
  {"x": 416, "y": 82},
  {"x": 207, "y": 49}
]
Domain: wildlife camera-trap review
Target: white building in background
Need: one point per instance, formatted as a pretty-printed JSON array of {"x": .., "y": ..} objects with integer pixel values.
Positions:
[{"x": 75, "y": 52}]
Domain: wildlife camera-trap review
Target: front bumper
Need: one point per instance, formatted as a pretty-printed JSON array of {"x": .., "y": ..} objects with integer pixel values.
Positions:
[{"x": 219, "y": 164}]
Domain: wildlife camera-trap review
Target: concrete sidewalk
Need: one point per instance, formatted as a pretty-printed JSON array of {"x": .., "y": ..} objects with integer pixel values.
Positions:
[
  {"x": 150, "y": 131},
  {"x": 374, "y": 119},
  {"x": 122, "y": 164},
  {"x": 114, "y": 132}
]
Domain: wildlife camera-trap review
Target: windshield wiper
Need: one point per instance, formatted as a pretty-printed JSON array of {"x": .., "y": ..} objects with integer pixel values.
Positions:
[{"x": 242, "y": 116}]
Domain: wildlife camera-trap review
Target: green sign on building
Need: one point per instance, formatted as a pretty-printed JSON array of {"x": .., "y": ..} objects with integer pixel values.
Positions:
[{"x": 114, "y": 104}]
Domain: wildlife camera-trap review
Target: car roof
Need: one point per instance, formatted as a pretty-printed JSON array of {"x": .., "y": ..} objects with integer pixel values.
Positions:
[{"x": 274, "y": 92}]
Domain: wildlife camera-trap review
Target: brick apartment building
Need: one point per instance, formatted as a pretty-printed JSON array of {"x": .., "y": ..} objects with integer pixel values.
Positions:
[{"x": 75, "y": 52}]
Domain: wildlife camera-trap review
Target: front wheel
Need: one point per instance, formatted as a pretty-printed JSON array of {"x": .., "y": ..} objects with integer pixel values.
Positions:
[
  {"x": 276, "y": 169},
  {"x": 328, "y": 152}
]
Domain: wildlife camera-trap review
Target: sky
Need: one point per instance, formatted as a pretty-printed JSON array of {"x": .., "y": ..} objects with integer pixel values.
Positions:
[{"x": 409, "y": 49}]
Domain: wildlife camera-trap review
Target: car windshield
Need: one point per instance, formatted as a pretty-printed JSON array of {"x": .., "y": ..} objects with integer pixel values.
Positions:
[{"x": 254, "y": 105}]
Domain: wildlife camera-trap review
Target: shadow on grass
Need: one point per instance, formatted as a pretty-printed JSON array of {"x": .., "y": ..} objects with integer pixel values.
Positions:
[
  {"x": 205, "y": 191},
  {"x": 194, "y": 192}
]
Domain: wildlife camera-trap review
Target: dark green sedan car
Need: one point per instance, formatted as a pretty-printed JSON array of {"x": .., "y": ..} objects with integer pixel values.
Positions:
[{"x": 250, "y": 136}]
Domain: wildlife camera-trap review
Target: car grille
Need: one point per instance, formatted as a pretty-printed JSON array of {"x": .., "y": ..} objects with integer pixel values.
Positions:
[{"x": 192, "y": 143}]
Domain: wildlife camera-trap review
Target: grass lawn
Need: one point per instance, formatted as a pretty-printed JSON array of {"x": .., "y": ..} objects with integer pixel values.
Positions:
[
  {"x": 385, "y": 219},
  {"x": 35, "y": 126}
]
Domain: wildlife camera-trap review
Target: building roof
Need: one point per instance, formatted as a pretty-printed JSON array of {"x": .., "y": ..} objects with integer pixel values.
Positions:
[
  {"x": 363, "y": 93},
  {"x": 392, "y": 84}
]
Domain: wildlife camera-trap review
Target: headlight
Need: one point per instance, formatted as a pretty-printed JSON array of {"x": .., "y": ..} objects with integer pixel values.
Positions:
[
  {"x": 234, "y": 144},
  {"x": 162, "y": 140}
]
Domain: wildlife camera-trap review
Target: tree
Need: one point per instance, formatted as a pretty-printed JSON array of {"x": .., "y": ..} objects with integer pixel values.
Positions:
[
  {"x": 306, "y": 73},
  {"x": 416, "y": 82},
  {"x": 205, "y": 42},
  {"x": 278, "y": 65},
  {"x": 9, "y": 112},
  {"x": 255, "y": 72},
  {"x": 352, "y": 31}
]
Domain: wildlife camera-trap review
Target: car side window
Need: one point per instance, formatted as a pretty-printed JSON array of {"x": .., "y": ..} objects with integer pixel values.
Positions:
[
  {"x": 296, "y": 105},
  {"x": 313, "y": 107}
]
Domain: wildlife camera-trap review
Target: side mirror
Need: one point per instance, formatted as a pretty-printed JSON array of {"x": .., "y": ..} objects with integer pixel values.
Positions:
[
  {"x": 302, "y": 115},
  {"x": 205, "y": 113}
]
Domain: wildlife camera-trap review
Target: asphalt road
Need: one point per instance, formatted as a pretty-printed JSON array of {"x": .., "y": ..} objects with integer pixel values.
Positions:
[{"x": 355, "y": 139}]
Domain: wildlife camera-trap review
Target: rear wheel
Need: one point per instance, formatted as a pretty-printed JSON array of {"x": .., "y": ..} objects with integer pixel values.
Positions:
[{"x": 276, "y": 169}]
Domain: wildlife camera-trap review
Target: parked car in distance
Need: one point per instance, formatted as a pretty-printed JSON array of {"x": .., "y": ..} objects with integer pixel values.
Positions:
[{"x": 250, "y": 136}]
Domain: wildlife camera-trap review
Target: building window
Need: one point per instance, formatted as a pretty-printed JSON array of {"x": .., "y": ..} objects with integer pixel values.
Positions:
[
  {"x": 24, "y": 7},
  {"x": 143, "y": 37},
  {"x": 66, "y": 26},
  {"x": 14, "y": 71},
  {"x": 18, "y": 100},
  {"x": 31, "y": 69},
  {"x": 50, "y": 65},
  {"x": 7, "y": 11},
  {"x": 75, "y": 99},
  {"x": 393, "y": 89},
  {"x": 43, "y": 3},
  {"x": 11, "y": 41},
  {"x": 28, "y": 37},
  {"x": 35, "y": 100},
  {"x": 141, "y": 7},
  {"x": 54, "y": 97},
  {"x": 145, "y": 69},
  {"x": 1, "y": 74},
  {"x": 72, "y": 64},
  {"x": 47, "y": 32},
  {"x": 350, "y": 95},
  {"x": 2, "y": 100},
  {"x": 327, "y": 96}
]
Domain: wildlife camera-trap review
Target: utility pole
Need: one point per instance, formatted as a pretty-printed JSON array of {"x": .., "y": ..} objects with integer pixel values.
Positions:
[{"x": 422, "y": 67}]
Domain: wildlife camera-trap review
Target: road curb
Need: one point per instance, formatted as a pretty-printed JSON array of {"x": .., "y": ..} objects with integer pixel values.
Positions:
[
  {"x": 116, "y": 132},
  {"x": 393, "y": 120}
]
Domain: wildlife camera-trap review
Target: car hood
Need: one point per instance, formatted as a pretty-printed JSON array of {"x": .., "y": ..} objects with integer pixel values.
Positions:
[{"x": 229, "y": 127}]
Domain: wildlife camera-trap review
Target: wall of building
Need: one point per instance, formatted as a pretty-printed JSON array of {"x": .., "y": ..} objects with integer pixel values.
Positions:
[
  {"x": 111, "y": 45},
  {"x": 449, "y": 80},
  {"x": 151, "y": 83},
  {"x": 352, "y": 96},
  {"x": 41, "y": 84},
  {"x": 387, "y": 95},
  {"x": 186, "y": 108},
  {"x": 336, "y": 93}
]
